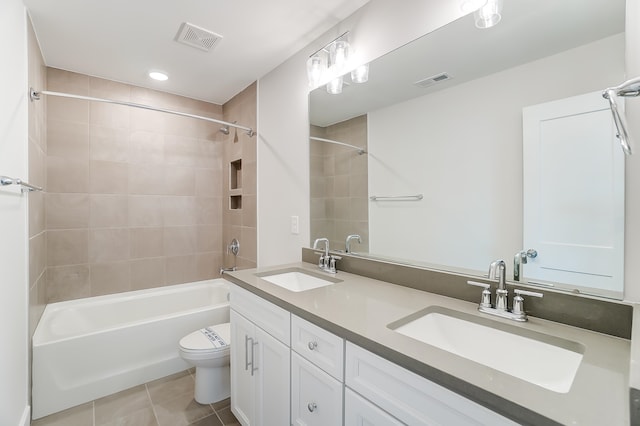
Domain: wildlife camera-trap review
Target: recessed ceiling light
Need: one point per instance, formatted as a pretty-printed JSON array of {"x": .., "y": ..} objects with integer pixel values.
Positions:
[{"x": 157, "y": 75}]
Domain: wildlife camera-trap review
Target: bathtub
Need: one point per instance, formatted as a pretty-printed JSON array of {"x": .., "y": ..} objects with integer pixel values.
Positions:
[{"x": 89, "y": 348}]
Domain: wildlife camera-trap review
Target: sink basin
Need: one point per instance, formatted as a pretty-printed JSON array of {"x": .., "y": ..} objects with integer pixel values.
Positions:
[
  {"x": 546, "y": 361},
  {"x": 295, "y": 279}
]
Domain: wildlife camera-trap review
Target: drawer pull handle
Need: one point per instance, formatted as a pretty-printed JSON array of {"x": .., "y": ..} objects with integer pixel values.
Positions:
[
  {"x": 312, "y": 407},
  {"x": 312, "y": 345}
]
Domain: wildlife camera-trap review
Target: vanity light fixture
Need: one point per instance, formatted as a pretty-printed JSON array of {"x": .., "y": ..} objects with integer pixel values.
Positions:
[
  {"x": 315, "y": 69},
  {"x": 468, "y": 6},
  {"x": 488, "y": 15},
  {"x": 159, "y": 76}
]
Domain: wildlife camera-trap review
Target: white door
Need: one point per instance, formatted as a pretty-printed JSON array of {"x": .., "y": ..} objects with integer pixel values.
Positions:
[
  {"x": 573, "y": 181},
  {"x": 242, "y": 379},
  {"x": 272, "y": 380}
]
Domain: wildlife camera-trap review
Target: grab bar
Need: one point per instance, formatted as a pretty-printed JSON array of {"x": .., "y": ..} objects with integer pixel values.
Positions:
[
  {"x": 25, "y": 186},
  {"x": 417, "y": 197}
]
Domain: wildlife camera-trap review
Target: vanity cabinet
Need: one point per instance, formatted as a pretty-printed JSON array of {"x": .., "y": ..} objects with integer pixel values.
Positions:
[
  {"x": 360, "y": 412},
  {"x": 408, "y": 397},
  {"x": 317, "y": 364},
  {"x": 260, "y": 361}
]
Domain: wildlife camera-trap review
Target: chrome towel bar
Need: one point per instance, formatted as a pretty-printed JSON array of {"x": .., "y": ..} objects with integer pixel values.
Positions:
[
  {"x": 417, "y": 197},
  {"x": 25, "y": 186}
]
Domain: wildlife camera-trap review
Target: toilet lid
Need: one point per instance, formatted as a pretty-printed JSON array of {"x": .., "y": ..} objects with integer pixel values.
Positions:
[{"x": 214, "y": 338}]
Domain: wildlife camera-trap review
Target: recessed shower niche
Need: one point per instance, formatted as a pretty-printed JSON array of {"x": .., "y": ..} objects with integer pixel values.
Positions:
[{"x": 235, "y": 184}]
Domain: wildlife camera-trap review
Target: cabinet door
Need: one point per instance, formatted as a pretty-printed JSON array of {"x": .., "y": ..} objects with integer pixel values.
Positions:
[
  {"x": 272, "y": 380},
  {"x": 242, "y": 381},
  {"x": 360, "y": 412},
  {"x": 316, "y": 397}
]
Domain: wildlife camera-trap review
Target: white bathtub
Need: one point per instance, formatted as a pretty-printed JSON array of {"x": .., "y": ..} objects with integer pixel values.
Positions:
[{"x": 89, "y": 348}]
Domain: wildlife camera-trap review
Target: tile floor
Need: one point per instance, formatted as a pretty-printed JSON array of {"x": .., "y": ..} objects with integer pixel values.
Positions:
[{"x": 163, "y": 402}]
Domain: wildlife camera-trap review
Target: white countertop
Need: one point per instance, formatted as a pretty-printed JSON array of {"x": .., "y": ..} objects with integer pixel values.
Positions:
[{"x": 360, "y": 309}]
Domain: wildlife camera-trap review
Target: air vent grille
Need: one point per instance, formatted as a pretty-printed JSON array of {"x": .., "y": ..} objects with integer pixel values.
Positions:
[
  {"x": 430, "y": 81},
  {"x": 197, "y": 37}
]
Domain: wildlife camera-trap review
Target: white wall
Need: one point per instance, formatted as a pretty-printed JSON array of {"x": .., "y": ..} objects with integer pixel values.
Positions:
[
  {"x": 14, "y": 356},
  {"x": 471, "y": 175},
  {"x": 283, "y": 109}
]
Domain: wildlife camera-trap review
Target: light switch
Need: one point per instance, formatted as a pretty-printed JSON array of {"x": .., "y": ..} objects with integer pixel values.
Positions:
[{"x": 295, "y": 229}]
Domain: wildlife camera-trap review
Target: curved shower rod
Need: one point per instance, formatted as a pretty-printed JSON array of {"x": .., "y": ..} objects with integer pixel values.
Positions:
[
  {"x": 626, "y": 89},
  {"x": 35, "y": 96},
  {"x": 357, "y": 148}
]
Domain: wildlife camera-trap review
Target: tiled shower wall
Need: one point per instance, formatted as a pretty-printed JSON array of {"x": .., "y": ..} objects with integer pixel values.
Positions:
[
  {"x": 339, "y": 184},
  {"x": 240, "y": 148},
  {"x": 134, "y": 197}
]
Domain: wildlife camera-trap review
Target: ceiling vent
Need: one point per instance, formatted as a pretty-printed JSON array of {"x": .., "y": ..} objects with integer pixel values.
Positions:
[
  {"x": 197, "y": 37},
  {"x": 430, "y": 81}
]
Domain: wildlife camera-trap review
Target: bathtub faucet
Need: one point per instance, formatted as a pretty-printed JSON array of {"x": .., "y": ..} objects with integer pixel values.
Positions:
[{"x": 223, "y": 270}]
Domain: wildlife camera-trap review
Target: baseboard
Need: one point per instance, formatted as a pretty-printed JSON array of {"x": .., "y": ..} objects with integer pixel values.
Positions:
[{"x": 26, "y": 416}]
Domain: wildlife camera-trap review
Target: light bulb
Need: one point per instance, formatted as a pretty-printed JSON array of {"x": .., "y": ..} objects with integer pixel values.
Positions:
[
  {"x": 315, "y": 66},
  {"x": 339, "y": 54},
  {"x": 360, "y": 74},
  {"x": 334, "y": 87},
  {"x": 489, "y": 15}
]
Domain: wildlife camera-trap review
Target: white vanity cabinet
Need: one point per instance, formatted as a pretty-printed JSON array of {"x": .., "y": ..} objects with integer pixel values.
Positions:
[
  {"x": 360, "y": 412},
  {"x": 260, "y": 360},
  {"x": 408, "y": 397}
]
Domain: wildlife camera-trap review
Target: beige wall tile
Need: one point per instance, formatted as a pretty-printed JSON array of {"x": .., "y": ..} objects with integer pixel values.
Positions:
[
  {"x": 108, "y": 211},
  {"x": 181, "y": 269},
  {"x": 67, "y": 175},
  {"x": 146, "y": 179},
  {"x": 67, "y": 282},
  {"x": 208, "y": 183},
  {"x": 101, "y": 88},
  {"x": 108, "y": 245},
  {"x": 145, "y": 210},
  {"x": 37, "y": 257},
  {"x": 209, "y": 238},
  {"x": 179, "y": 211},
  {"x": 68, "y": 139},
  {"x": 110, "y": 115},
  {"x": 181, "y": 150},
  {"x": 146, "y": 120},
  {"x": 37, "y": 218},
  {"x": 148, "y": 273},
  {"x": 109, "y": 144},
  {"x": 67, "y": 247},
  {"x": 108, "y": 278},
  {"x": 67, "y": 109},
  {"x": 66, "y": 211},
  {"x": 179, "y": 180},
  {"x": 180, "y": 240},
  {"x": 108, "y": 177},
  {"x": 208, "y": 265},
  {"x": 208, "y": 210},
  {"x": 146, "y": 147},
  {"x": 146, "y": 242}
]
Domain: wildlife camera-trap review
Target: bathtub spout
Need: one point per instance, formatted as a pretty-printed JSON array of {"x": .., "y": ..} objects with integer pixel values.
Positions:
[{"x": 223, "y": 270}]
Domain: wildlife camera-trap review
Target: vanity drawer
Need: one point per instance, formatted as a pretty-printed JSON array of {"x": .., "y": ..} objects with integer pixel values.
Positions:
[
  {"x": 321, "y": 347},
  {"x": 269, "y": 317},
  {"x": 410, "y": 398}
]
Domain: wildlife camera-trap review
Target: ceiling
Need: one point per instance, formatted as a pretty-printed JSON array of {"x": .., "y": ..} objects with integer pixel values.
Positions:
[
  {"x": 529, "y": 30},
  {"x": 122, "y": 40}
]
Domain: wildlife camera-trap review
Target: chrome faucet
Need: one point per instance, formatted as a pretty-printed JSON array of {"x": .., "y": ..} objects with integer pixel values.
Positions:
[
  {"x": 327, "y": 262},
  {"x": 497, "y": 270},
  {"x": 348, "y": 242},
  {"x": 521, "y": 258}
]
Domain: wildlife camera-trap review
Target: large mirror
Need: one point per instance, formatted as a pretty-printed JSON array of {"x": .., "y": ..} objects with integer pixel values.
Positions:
[{"x": 441, "y": 120}]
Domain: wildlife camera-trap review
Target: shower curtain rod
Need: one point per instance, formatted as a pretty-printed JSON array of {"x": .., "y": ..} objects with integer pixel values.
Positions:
[
  {"x": 357, "y": 148},
  {"x": 35, "y": 95}
]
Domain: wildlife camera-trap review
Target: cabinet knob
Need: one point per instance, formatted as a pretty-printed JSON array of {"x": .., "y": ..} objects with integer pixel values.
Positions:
[
  {"x": 312, "y": 407},
  {"x": 312, "y": 345}
]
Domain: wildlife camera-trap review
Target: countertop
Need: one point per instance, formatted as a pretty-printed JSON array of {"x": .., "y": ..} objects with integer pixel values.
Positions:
[{"x": 359, "y": 309}]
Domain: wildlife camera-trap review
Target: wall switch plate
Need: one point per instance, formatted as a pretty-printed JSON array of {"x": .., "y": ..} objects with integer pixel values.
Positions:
[{"x": 295, "y": 228}]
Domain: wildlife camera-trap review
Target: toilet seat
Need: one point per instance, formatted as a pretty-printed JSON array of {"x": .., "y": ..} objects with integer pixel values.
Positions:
[{"x": 209, "y": 342}]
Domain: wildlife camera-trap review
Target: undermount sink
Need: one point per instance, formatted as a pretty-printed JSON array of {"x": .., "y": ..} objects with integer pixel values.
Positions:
[
  {"x": 547, "y": 361},
  {"x": 296, "y": 279}
]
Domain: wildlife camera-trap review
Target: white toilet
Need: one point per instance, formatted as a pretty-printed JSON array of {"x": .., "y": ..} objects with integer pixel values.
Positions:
[{"x": 208, "y": 350}]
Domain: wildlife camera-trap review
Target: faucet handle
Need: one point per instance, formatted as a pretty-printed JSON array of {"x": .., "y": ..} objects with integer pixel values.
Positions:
[
  {"x": 518, "y": 300},
  {"x": 485, "y": 301}
]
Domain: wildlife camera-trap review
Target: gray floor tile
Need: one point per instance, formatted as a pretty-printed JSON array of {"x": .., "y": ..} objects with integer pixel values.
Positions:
[
  {"x": 81, "y": 415},
  {"x": 171, "y": 387},
  {"x": 181, "y": 411},
  {"x": 120, "y": 405}
]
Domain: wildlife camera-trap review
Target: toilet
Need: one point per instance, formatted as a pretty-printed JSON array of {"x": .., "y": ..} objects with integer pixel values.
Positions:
[{"x": 208, "y": 350}]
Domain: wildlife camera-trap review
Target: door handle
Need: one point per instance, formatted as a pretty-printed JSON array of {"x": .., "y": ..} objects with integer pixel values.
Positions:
[
  {"x": 246, "y": 353},
  {"x": 253, "y": 355}
]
